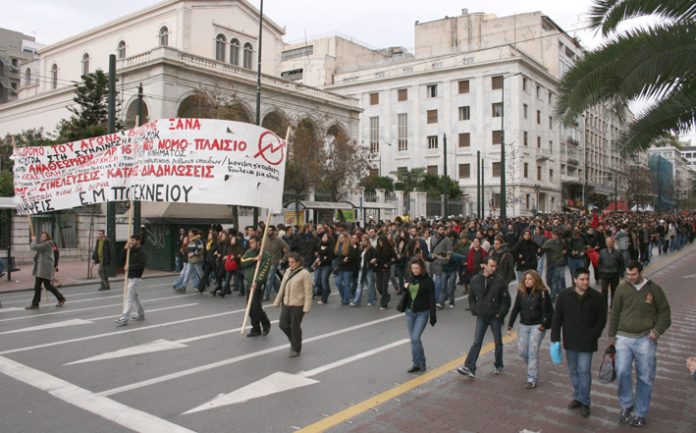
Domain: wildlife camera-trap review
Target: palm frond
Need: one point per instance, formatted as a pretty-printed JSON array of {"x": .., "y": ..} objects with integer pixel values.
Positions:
[{"x": 606, "y": 15}]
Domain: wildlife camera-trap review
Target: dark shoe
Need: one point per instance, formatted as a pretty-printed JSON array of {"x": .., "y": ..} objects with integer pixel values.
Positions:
[
  {"x": 101, "y": 289},
  {"x": 254, "y": 333},
  {"x": 585, "y": 411},
  {"x": 574, "y": 404},
  {"x": 625, "y": 415},
  {"x": 497, "y": 370},
  {"x": 60, "y": 303},
  {"x": 464, "y": 371},
  {"x": 638, "y": 421},
  {"x": 413, "y": 369},
  {"x": 136, "y": 317},
  {"x": 293, "y": 354},
  {"x": 266, "y": 330},
  {"x": 530, "y": 385},
  {"x": 32, "y": 307}
]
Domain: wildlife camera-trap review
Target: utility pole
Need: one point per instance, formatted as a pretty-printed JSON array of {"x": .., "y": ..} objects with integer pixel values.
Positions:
[
  {"x": 483, "y": 190},
  {"x": 139, "y": 122},
  {"x": 445, "y": 200},
  {"x": 478, "y": 184},
  {"x": 503, "y": 201},
  {"x": 111, "y": 128},
  {"x": 258, "y": 94}
]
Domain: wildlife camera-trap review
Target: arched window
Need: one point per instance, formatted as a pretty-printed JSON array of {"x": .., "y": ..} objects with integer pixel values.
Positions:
[
  {"x": 164, "y": 36},
  {"x": 234, "y": 52},
  {"x": 248, "y": 50},
  {"x": 122, "y": 50},
  {"x": 85, "y": 64},
  {"x": 27, "y": 77},
  {"x": 54, "y": 76},
  {"x": 220, "y": 42}
]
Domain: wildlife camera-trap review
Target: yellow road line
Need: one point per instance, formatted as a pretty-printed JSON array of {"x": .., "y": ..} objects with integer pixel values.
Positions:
[{"x": 364, "y": 406}]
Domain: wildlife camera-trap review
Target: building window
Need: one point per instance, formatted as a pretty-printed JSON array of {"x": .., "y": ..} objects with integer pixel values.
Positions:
[
  {"x": 27, "y": 77},
  {"x": 497, "y": 82},
  {"x": 525, "y": 109},
  {"x": 526, "y": 170},
  {"x": 538, "y": 172},
  {"x": 463, "y": 86},
  {"x": 525, "y": 138},
  {"x": 248, "y": 50},
  {"x": 54, "y": 76},
  {"x": 538, "y": 117},
  {"x": 524, "y": 84},
  {"x": 220, "y": 47},
  {"x": 464, "y": 113},
  {"x": 374, "y": 134},
  {"x": 402, "y": 131},
  {"x": 234, "y": 52},
  {"x": 294, "y": 75},
  {"x": 497, "y": 109},
  {"x": 538, "y": 92},
  {"x": 551, "y": 175},
  {"x": 85, "y": 64},
  {"x": 432, "y": 169},
  {"x": 464, "y": 171},
  {"x": 496, "y": 169},
  {"x": 550, "y": 98},
  {"x": 432, "y": 116},
  {"x": 497, "y": 137},
  {"x": 122, "y": 50},
  {"x": 538, "y": 142},
  {"x": 550, "y": 122},
  {"x": 164, "y": 36},
  {"x": 550, "y": 146},
  {"x": 402, "y": 95},
  {"x": 432, "y": 141},
  {"x": 464, "y": 139},
  {"x": 374, "y": 98},
  {"x": 431, "y": 91}
]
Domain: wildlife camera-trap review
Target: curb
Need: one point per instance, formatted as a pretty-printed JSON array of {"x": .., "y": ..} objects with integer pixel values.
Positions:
[{"x": 86, "y": 283}]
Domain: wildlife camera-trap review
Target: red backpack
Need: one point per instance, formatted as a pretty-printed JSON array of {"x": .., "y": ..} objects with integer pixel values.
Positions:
[{"x": 230, "y": 263}]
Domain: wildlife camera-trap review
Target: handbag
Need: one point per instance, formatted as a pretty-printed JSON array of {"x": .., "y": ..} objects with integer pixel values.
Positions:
[
  {"x": 401, "y": 307},
  {"x": 555, "y": 352},
  {"x": 607, "y": 369}
]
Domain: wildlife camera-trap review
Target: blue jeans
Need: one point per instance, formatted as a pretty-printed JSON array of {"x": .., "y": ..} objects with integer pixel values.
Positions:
[
  {"x": 529, "y": 339},
  {"x": 272, "y": 282},
  {"x": 344, "y": 283},
  {"x": 482, "y": 324},
  {"x": 555, "y": 277},
  {"x": 580, "y": 371},
  {"x": 641, "y": 351},
  {"x": 324, "y": 289},
  {"x": 540, "y": 264},
  {"x": 366, "y": 279},
  {"x": 178, "y": 263},
  {"x": 416, "y": 323},
  {"x": 575, "y": 263},
  {"x": 449, "y": 285},
  {"x": 439, "y": 280}
]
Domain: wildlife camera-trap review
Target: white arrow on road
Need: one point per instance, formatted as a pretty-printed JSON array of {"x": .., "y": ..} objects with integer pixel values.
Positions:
[
  {"x": 280, "y": 381},
  {"x": 140, "y": 349},
  {"x": 63, "y": 324}
]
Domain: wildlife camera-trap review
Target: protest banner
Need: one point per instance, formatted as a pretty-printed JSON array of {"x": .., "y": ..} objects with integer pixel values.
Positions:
[{"x": 167, "y": 160}]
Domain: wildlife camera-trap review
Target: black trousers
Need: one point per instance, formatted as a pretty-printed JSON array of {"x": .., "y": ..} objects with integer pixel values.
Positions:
[
  {"x": 208, "y": 270},
  {"x": 47, "y": 284},
  {"x": 258, "y": 317},
  {"x": 383, "y": 288},
  {"x": 289, "y": 322},
  {"x": 609, "y": 282}
]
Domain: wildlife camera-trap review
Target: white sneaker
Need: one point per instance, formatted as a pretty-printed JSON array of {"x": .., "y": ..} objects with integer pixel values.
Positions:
[{"x": 121, "y": 322}]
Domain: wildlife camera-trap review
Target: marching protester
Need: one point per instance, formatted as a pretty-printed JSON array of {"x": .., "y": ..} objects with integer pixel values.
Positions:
[
  {"x": 418, "y": 304},
  {"x": 278, "y": 249},
  {"x": 101, "y": 256},
  {"x": 581, "y": 313},
  {"x": 533, "y": 304},
  {"x": 348, "y": 255},
  {"x": 295, "y": 298},
  {"x": 640, "y": 315},
  {"x": 489, "y": 301},
  {"x": 611, "y": 268},
  {"x": 322, "y": 266},
  {"x": 384, "y": 258},
  {"x": 44, "y": 269},
  {"x": 134, "y": 269},
  {"x": 260, "y": 323},
  {"x": 366, "y": 274}
]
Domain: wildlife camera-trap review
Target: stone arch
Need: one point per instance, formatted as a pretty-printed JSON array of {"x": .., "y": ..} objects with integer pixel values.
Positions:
[
  {"x": 277, "y": 122},
  {"x": 132, "y": 112},
  {"x": 195, "y": 105},
  {"x": 236, "y": 111},
  {"x": 335, "y": 130}
]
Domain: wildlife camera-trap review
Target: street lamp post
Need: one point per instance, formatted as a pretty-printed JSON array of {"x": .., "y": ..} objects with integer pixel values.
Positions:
[{"x": 536, "y": 199}]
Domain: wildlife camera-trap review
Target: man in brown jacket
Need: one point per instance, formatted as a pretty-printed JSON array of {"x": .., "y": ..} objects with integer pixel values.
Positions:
[{"x": 295, "y": 295}]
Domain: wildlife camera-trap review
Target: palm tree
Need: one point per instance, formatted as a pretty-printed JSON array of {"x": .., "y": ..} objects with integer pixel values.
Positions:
[
  {"x": 655, "y": 63},
  {"x": 408, "y": 180}
]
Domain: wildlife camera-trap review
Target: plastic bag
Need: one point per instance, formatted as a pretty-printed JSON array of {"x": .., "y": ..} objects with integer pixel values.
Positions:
[
  {"x": 607, "y": 370},
  {"x": 555, "y": 351}
]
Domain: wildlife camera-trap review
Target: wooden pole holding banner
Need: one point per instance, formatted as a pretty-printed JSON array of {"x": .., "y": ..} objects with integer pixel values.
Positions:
[{"x": 256, "y": 272}]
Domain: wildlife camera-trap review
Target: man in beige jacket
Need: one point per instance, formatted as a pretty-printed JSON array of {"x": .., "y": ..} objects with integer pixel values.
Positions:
[{"x": 295, "y": 295}]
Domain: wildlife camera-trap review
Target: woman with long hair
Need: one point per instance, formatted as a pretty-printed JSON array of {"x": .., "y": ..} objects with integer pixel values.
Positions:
[
  {"x": 366, "y": 273},
  {"x": 399, "y": 267},
  {"x": 384, "y": 258},
  {"x": 418, "y": 304},
  {"x": 43, "y": 270},
  {"x": 349, "y": 258},
  {"x": 322, "y": 264},
  {"x": 533, "y": 303}
]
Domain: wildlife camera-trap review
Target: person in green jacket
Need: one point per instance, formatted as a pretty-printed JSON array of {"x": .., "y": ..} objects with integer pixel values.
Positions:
[
  {"x": 640, "y": 315},
  {"x": 260, "y": 324}
]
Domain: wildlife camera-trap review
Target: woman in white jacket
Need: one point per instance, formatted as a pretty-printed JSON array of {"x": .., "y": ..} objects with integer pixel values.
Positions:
[{"x": 295, "y": 297}]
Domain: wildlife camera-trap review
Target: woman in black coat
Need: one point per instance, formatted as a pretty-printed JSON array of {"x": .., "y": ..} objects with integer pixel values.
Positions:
[
  {"x": 418, "y": 303},
  {"x": 385, "y": 257}
]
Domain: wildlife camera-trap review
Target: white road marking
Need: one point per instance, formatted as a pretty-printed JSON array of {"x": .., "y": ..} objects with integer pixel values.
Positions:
[
  {"x": 689, "y": 276},
  {"x": 280, "y": 381},
  {"x": 20, "y": 297},
  {"x": 140, "y": 349},
  {"x": 104, "y": 407},
  {"x": 63, "y": 324},
  {"x": 10, "y": 309},
  {"x": 98, "y": 307}
]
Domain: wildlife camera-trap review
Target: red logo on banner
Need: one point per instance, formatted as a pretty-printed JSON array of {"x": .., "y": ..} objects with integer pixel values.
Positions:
[{"x": 271, "y": 148}]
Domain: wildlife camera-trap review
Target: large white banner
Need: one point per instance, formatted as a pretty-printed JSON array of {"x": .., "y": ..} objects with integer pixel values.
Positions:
[{"x": 166, "y": 160}]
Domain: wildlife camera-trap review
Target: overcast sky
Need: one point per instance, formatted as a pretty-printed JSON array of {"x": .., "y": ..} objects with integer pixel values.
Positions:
[{"x": 376, "y": 23}]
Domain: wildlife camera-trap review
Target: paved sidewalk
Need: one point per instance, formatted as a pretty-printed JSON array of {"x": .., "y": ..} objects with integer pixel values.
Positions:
[{"x": 70, "y": 273}]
